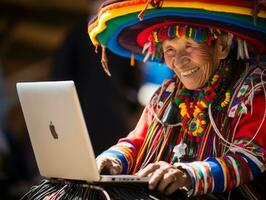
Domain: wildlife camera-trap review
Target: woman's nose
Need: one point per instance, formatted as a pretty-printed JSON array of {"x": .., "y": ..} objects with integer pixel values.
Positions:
[{"x": 180, "y": 60}]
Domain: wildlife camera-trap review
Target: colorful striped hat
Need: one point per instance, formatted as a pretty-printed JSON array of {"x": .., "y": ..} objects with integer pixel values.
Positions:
[{"x": 125, "y": 27}]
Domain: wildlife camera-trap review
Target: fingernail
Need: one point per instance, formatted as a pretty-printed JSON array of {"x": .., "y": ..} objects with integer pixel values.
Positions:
[
  {"x": 113, "y": 171},
  {"x": 151, "y": 187}
]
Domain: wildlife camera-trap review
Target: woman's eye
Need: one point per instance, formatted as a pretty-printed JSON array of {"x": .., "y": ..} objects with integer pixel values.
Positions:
[
  {"x": 188, "y": 46},
  {"x": 169, "y": 51}
]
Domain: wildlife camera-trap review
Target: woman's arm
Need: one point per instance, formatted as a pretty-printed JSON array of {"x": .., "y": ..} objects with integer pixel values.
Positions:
[
  {"x": 126, "y": 150},
  {"x": 241, "y": 164}
]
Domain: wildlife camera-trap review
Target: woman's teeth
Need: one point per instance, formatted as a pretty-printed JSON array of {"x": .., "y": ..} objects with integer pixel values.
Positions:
[{"x": 189, "y": 72}]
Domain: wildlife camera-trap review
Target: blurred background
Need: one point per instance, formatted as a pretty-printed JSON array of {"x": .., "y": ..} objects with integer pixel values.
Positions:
[{"x": 42, "y": 40}]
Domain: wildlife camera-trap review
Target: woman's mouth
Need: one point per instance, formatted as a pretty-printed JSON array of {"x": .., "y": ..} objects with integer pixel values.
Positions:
[{"x": 189, "y": 72}]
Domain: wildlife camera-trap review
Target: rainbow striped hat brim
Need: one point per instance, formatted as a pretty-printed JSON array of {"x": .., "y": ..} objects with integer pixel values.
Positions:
[{"x": 118, "y": 27}]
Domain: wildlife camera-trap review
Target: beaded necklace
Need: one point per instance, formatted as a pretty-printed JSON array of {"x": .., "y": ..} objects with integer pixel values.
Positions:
[{"x": 193, "y": 104}]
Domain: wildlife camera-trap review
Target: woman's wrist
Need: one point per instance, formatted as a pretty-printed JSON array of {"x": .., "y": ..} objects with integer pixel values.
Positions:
[{"x": 189, "y": 181}]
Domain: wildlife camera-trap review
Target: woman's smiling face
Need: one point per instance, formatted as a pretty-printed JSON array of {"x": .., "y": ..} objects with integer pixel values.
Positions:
[{"x": 193, "y": 62}]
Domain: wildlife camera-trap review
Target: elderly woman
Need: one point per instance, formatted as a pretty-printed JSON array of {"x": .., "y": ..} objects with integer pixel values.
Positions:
[{"x": 204, "y": 131}]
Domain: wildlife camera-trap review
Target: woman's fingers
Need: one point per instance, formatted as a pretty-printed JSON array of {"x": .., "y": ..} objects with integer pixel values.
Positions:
[
  {"x": 169, "y": 177},
  {"x": 157, "y": 172},
  {"x": 179, "y": 178},
  {"x": 100, "y": 164},
  {"x": 109, "y": 166},
  {"x": 165, "y": 177},
  {"x": 156, "y": 177},
  {"x": 115, "y": 169},
  {"x": 173, "y": 181},
  {"x": 172, "y": 188},
  {"x": 148, "y": 170}
]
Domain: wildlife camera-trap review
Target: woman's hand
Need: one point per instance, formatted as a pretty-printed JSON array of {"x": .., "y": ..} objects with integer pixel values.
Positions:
[
  {"x": 166, "y": 177},
  {"x": 107, "y": 165}
]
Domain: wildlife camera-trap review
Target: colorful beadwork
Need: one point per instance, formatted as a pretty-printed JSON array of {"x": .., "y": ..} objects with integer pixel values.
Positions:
[
  {"x": 197, "y": 125},
  {"x": 194, "y": 111},
  {"x": 184, "y": 31},
  {"x": 154, "y": 44},
  {"x": 226, "y": 100}
]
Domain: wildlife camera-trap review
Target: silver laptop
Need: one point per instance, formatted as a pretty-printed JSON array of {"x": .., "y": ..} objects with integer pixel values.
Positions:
[{"x": 58, "y": 133}]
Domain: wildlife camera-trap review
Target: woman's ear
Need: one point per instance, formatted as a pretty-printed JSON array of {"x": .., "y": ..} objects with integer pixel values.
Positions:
[{"x": 222, "y": 47}]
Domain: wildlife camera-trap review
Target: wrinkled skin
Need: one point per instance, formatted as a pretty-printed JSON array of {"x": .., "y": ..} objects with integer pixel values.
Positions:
[
  {"x": 166, "y": 178},
  {"x": 193, "y": 63}
]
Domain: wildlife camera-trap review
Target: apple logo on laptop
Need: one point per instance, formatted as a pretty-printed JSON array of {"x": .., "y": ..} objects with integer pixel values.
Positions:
[{"x": 52, "y": 130}]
